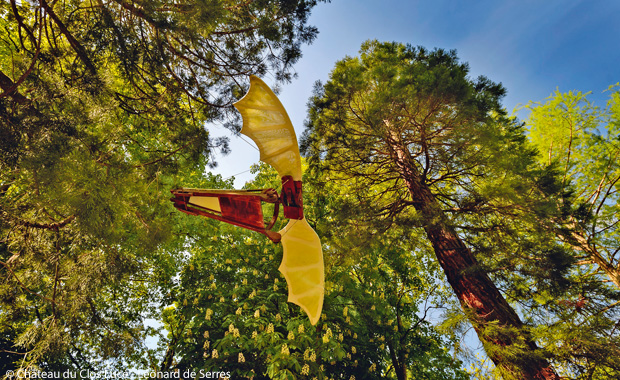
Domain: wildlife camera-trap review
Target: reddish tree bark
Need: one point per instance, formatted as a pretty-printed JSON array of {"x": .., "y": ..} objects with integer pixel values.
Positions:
[{"x": 498, "y": 326}]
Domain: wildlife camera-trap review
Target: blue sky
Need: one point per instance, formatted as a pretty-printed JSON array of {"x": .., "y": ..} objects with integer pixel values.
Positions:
[{"x": 531, "y": 46}]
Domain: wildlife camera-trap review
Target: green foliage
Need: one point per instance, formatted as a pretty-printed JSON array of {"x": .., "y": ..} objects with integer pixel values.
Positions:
[
  {"x": 452, "y": 126},
  {"x": 422, "y": 145},
  {"x": 578, "y": 140},
  {"x": 231, "y": 304},
  {"x": 103, "y": 108}
]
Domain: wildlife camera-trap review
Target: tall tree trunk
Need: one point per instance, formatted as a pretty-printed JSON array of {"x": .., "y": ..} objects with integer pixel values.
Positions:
[
  {"x": 400, "y": 366},
  {"x": 498, "y": 326}
]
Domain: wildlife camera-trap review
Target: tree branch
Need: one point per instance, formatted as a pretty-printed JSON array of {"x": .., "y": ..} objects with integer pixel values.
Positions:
[
  {"x": 79, "y": 49},
  {"x": 10, "y": 89},
  {"x": 21, "y": 284},
  {"x": 50, "y": 226}
]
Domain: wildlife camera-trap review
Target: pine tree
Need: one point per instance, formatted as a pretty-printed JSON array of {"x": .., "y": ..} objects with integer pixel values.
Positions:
[
  {"x": 103, "y": 107},
  {"x": 409, "y": 130}
]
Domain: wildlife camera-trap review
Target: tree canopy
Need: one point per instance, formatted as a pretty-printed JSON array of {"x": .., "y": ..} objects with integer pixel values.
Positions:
[
  {"x": 230, "y": 310},
  {"x": 580, "y": 141},
  {"x": 103, "y": 107},
  {"x": 426, "y": 194},
  {"x": 422, "y": 144}
]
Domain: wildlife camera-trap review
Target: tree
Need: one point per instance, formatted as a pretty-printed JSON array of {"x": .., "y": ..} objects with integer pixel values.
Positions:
[
  {"x": 408, "y": 129},
  {"x": 229, "y": 310},
  {"x": 103, "y": 105},
  {"x": 580, "y": 140}
]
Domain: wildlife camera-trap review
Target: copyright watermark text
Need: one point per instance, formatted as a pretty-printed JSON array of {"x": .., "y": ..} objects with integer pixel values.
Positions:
[
  {"x": 107, "y": 374},
  {"x": 69, "y": 374}
]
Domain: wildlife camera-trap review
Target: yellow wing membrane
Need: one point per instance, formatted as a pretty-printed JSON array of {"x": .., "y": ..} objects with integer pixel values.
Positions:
[
  {"x": 266, "y": 122},
  {"x": 302, "y": 266}
]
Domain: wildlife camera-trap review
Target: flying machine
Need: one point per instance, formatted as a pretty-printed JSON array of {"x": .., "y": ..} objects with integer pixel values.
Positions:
[{"x": 266, "y": 122}]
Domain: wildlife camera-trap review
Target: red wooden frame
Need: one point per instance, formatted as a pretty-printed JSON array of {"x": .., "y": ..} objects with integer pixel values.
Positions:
[{"x": 243, "y": 208}]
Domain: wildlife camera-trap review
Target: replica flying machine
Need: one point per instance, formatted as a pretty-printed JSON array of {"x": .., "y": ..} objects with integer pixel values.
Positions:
[{"x": 266, "y": 122}]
